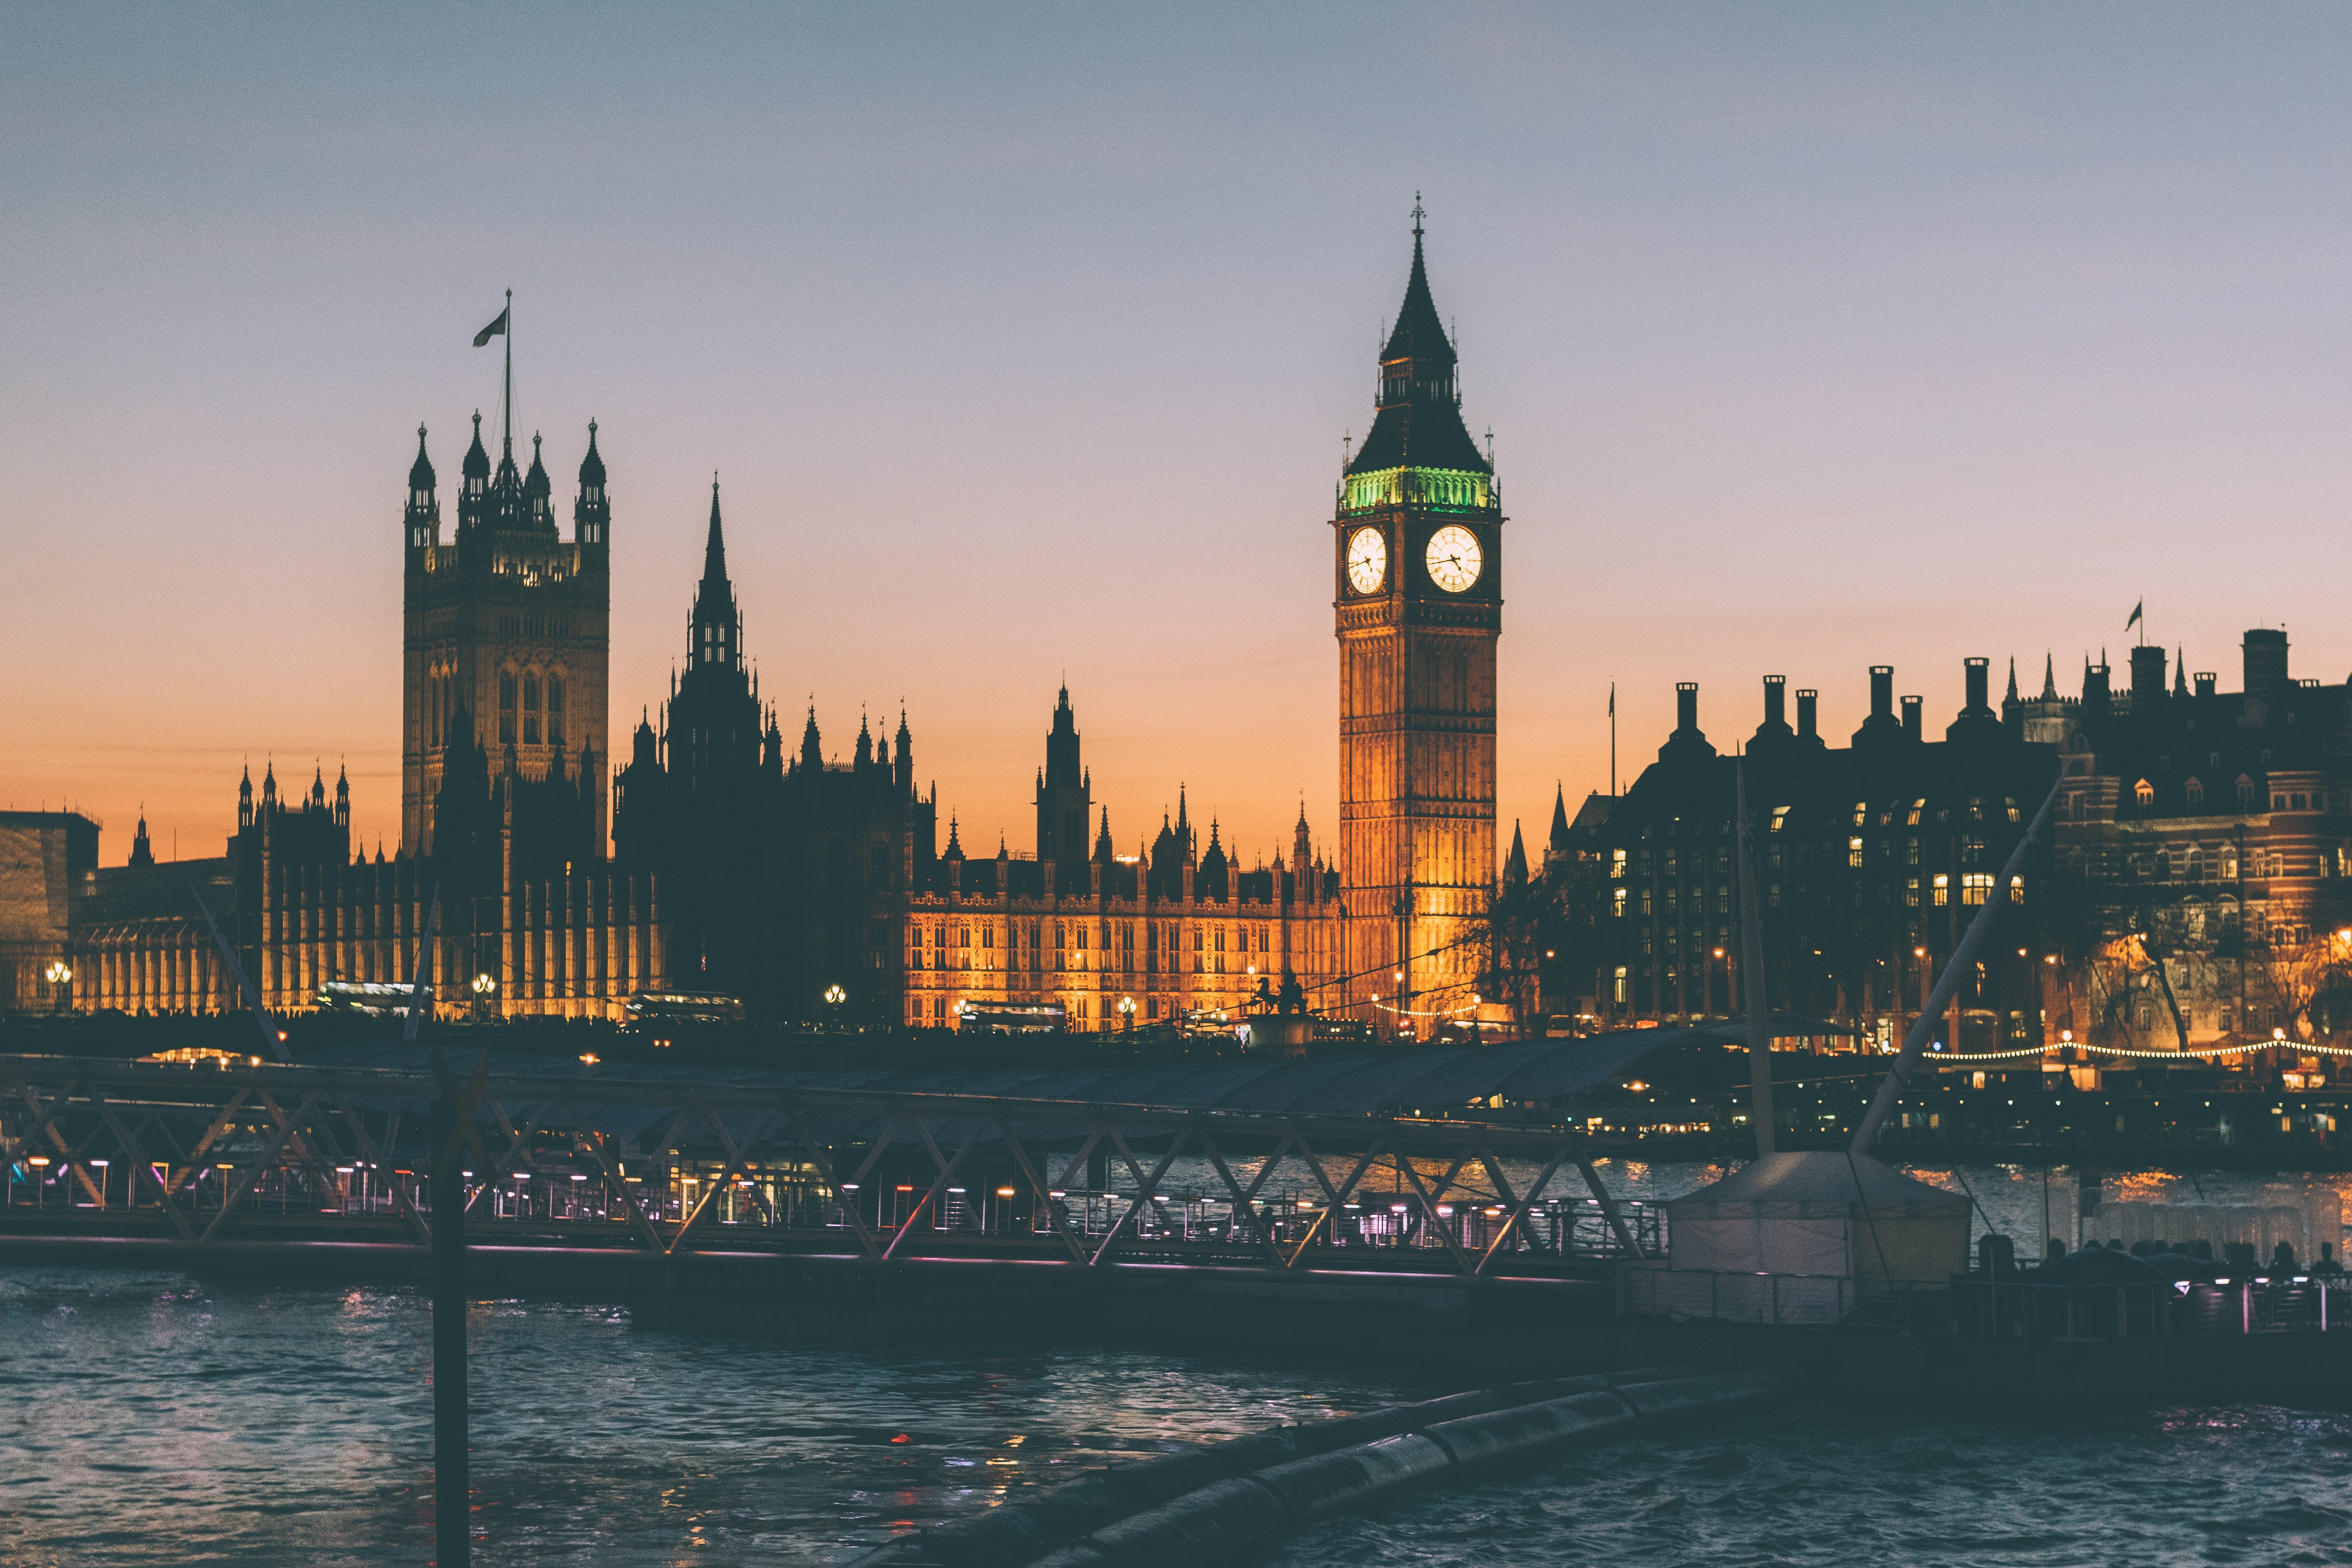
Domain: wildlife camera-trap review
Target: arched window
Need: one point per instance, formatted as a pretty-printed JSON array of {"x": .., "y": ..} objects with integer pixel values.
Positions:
[
  {"x": 2195, "y": 789},
  {"x": 2245, "y": 793},
  {"x": 2196, "y": 872},
  {"x": 555, "y": 710},
  {"x": 531, "y": 709},
  {"x": 2144, "y": 793},
  {"x": 505, "y": 709}
]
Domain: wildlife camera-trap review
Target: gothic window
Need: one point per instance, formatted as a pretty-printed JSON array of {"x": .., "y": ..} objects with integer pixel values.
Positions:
[
  {"x": 531, "y": 709},
  {"x": 2144, "y": 793},
  {"x": 2245, "y": 793},
  {"x": 2195, "y": 789},
  {"x": 2196, "y": 872},
  {"x": 555, "y": 710},
  {"x": 1943, "y": 889},
  {"x": 1976, "y": 887},
  {"x": 505, "y": 709},
  {"x": 1854, "y": 853}
]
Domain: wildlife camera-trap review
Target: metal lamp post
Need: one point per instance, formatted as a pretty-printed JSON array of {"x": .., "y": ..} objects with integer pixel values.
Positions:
[
  {"x": 1126, "y": 1014},
  {"x": 61, "y": 977},
  {"x": 834, "y": 998},
  {"x": 484, "y": 987}
]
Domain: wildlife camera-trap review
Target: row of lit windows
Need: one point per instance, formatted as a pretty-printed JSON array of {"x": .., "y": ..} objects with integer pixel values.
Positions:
[{"x": 530, "y": 688}]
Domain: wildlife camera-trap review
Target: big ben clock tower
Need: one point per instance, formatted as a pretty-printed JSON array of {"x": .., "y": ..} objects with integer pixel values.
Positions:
[{"x": 1417, "y": 547}]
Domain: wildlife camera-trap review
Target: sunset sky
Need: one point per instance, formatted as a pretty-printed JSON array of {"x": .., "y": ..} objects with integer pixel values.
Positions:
[{"x": 1023, "y": 340}]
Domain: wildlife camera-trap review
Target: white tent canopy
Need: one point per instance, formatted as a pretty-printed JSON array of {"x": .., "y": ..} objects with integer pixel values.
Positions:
[{"x": 1821, "y": 1212}]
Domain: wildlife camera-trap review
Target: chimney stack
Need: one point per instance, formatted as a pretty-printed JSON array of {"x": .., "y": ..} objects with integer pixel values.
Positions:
[
  {"x": 2206, "y": 681},
  {"x": 1881, "y": 691},
  {"x": 1685, "y": 707},
  {"x": 1808, "y": 701},
  {"x": 2147, "y": 676},
  {"x": 1775, "y": 701},
  {"x": 1911, "y": 725},
  {"x": 1980, "y": 684}
]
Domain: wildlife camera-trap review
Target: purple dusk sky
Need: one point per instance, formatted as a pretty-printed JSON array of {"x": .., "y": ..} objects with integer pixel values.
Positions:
[{"x": 1024, "y": 339}]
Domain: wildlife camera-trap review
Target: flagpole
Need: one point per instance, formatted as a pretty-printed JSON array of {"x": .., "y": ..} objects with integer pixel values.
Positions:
[
  {"x": 508, "y": 335},
  {"x": 1612, "y": 739}
]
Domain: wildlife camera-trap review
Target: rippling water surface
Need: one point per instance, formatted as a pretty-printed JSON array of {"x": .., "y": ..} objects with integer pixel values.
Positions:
[{"x": 161, "y": 1418}]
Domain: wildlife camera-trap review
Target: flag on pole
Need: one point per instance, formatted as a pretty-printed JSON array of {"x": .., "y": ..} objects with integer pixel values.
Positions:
[
  {"x": 1613, "y": 699},
  {"x": 497, "y": 329},
  {"x": 2127, "y": 625}
]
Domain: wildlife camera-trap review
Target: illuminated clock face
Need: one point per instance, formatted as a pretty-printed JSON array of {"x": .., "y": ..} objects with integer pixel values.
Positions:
[
  {"x": 1368, "y": 560},
  {"x": 1453, "y": 559}
]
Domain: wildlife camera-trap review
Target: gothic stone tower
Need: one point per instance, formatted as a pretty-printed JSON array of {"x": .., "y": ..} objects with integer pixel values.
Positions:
[
  {"x": 505, "y": 633},
  {"x": 1418, "y": 570}
]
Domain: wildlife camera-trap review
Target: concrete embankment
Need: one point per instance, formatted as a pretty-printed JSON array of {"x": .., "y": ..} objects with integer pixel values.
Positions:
[{"x": 1213, "y": 1503}]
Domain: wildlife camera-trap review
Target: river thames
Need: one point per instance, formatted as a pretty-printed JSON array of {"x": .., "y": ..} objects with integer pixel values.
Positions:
[{"x": 161, "y": 1417}]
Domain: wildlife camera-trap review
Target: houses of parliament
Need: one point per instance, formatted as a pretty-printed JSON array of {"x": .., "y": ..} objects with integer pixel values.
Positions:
[{"x": 719, "y": 855}]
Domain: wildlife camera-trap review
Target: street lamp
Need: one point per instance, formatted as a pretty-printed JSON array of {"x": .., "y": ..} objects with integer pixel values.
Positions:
[
  {"x": 60, "y": 975},
  {"x": 1127, "y": 1013},
  {"x": 834, "y": 998},
  {"x": 484, "y": 986}
]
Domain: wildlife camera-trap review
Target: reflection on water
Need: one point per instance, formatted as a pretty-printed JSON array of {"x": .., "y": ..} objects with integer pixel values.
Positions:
[
  {"x": 2244, "y": 1485},
  {"x": 155, "y": 1418}
]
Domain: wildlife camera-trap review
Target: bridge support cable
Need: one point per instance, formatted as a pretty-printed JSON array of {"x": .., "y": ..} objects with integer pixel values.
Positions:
[
  {"x": 1429, "y": 1214},
  {"x": 141, "y": 1166},
  {"x": 1146, "y": 1190},
  {"x": 1047, "y": 1203},
  {"x": 613, "y": 1182},
  {"x": 1609, "y": 1209},
  {"x": 1515, "y": 1217},
  {"x": 927, "y": 1204},
  {"x": 1245, "y": 1215},
  {"x": 241, "y": 1179}
]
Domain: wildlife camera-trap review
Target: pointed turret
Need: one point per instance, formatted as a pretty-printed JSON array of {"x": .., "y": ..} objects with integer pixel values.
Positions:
[
  {"x": 536, "y": 487},
  {"x": 1102, "y": 839},
  {"x": 342, "y": 796},
  {"x": 592, "y": 513},
  {"x": 1515, "y": 865},
  {"x": 269, "y": 787},
  {"x": 1300, "y": 844},
  {"x": 1420, "y": 420},
  {"x": 245, "y": 798},
  {"x": 2049, "y": 678},
  {"x": 319, "y": 788},
  {"x": 1556, "y": 844},
  {"x": 420, "y": 472},
  {"x": 955, "y": 844},
  {"x": 2010, "y": 700},
  {"x": 716, "y": 628},
  {"x": 477, "y": 461},
  {"x": 142, "y": 852},
  {"x": 904, "y": 777},
  {"x": 811, "y": 754},
  {"x": 2180, "y": 669},
  {"x": 864, "y": 745}
]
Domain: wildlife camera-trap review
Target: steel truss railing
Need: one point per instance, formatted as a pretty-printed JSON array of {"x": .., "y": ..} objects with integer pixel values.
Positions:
[{"x": 651, "y": 1165}]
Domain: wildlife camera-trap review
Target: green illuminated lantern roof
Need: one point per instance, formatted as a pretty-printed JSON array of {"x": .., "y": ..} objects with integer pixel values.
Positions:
[{"x": 1419, "y": 426}]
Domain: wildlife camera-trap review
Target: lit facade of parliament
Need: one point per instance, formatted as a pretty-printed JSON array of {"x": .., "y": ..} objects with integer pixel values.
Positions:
[{"x": 716, "y": 856}]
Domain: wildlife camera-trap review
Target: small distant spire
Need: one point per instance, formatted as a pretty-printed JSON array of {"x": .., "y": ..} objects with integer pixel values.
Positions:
[
  {"x": 2012, "y": 681},
  {"x": 2049, "y": 676},
  {"x": 2180, "y": 669}
]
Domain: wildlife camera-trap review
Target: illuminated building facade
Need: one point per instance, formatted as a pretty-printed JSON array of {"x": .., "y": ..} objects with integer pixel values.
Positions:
[
  {"x": 1417, "y": 568},
  {"x": 505, "y": 638},
  {"x": 1115, "y": 940}
]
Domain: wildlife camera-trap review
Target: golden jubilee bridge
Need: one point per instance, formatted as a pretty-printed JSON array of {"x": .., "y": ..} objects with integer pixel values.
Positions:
[{"x": 1402, "y": 1161}]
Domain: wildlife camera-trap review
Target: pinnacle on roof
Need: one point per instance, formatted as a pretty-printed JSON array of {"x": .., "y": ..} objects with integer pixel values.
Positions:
[
  {"x": 478, "y": 462},
  {"x": 535, "y": 483},
  {"x": 2013, "y": 682},
  {"x": 420, "y": 472},
  {"x": 1418, "y": 423},
  {"x": 955, "y": 847},
  {"x": 1515, "y": 865},
  {"x": 2050, "y": 678},
  {"x": 592, "y": 466},
  {"x": 1559, "y": 816},
  {"x": 714, "y": 547},
  {"x": 2180, "y": 669}
]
